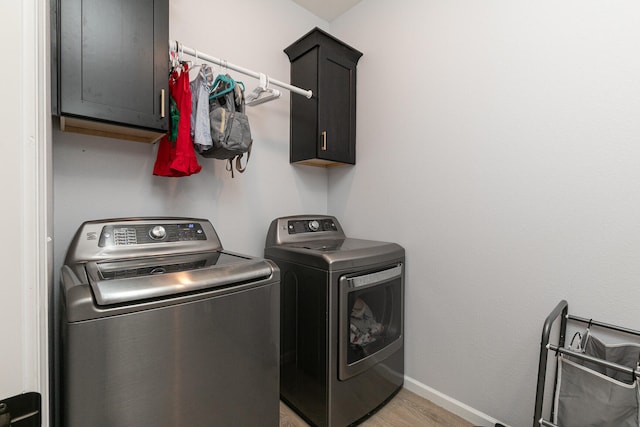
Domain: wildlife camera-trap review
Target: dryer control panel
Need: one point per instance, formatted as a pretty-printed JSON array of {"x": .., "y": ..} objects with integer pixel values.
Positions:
[
  {"x": 301, "y": 228},
  {"x": 311, "y": 225}
]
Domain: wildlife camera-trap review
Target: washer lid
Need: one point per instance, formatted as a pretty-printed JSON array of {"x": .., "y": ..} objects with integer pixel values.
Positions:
[{"x": 117, "y": 282}]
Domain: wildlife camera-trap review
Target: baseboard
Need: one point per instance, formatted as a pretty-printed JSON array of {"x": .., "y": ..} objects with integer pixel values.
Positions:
[{"x": 450, "y": 404}]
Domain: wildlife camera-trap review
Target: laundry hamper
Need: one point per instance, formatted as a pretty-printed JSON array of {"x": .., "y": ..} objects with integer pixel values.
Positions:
[{"x": 596, "y": 384}]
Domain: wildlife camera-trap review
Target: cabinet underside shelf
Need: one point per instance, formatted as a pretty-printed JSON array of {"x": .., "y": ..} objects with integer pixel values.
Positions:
[
  {"x": 320, "y": 163},
  {"x": 90, "y": 127}
]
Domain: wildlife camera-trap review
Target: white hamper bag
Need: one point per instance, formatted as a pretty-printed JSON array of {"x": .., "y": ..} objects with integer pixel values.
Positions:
[{"x": 587, "y": 397}]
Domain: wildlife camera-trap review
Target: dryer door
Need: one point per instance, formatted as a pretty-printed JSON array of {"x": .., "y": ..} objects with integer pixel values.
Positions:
[{"x": 371, "y": 319}]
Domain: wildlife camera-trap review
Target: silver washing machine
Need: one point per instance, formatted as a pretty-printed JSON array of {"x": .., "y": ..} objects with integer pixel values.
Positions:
[
  {"x": 163, "y": 327},
  {"x": 342, "y": 304}
]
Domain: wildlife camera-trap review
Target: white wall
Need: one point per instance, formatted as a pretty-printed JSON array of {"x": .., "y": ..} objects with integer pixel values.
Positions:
[
  {"x": 25, "y": 141},
  {"x": 10, "y": 258},
  {"x": 498, "y": 141},
  {"x": 103, "y": 178}
]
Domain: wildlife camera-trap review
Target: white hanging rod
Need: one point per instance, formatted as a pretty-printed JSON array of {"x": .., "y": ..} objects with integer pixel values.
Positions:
[{"x": 180, "y": 48}]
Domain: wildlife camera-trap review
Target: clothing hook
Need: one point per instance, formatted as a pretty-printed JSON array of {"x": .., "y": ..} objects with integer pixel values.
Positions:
[
  {"x": 264, "y": 81},
  {"x": 175, "y": 52}
]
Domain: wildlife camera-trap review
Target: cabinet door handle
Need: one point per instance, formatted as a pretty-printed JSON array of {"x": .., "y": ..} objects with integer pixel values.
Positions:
[
  {"x": 162, "y": 103},
  {"x": 324, "y": 141}
]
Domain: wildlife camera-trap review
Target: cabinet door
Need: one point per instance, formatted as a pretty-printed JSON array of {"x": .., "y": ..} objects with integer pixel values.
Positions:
[
  {"x": 114, "y": 61},
  {"x": 304, "y": 112},
  {"x": 337, "y": 110}
]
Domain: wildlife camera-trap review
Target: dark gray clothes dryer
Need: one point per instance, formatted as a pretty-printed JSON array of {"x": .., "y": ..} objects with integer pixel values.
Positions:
[{"x": 342, "y": 304}]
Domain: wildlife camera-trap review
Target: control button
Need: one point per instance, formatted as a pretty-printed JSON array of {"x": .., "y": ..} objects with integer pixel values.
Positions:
[
  {"x": 186, "y": 235},
  {"x": 314, "y": 225},
  {"x": 158, "y": 232}
]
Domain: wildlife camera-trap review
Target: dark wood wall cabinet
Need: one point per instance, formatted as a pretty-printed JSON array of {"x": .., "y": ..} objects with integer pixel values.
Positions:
[
  {"x": 111, "y": 67},
  {"x": 323, "y": 128}
]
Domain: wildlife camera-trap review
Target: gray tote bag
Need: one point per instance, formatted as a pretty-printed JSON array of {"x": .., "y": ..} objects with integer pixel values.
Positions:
[
  {"x": 586, "y": 398},
  {"x": 589, "y": 395},
  {"x": 626, "y": 354}
]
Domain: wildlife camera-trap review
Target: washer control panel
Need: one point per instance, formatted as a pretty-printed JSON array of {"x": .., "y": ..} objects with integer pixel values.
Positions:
[
  {"x": 136, "y": 234},
  {"x": 311, "y": 225}
]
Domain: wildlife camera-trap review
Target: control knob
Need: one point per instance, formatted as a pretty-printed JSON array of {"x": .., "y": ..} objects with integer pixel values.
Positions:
[
  {"x": 158, "y": 232},
  {"x": 314, "y": 225}
]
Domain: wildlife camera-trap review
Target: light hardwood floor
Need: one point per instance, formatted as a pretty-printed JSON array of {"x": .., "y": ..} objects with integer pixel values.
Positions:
[{"x": 406, "y": 409}]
